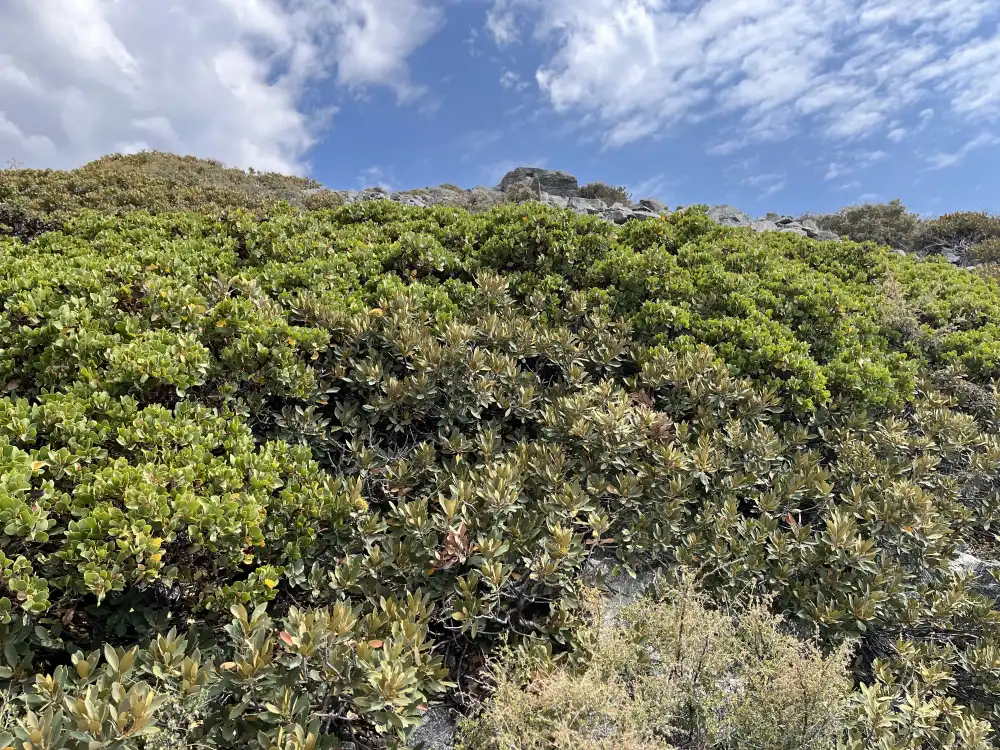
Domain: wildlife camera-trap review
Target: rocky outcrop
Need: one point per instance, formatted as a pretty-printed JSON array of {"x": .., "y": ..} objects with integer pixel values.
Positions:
[
  {"x": 728, "y": 216},
  {"x": 547, "y": 181},
  {"x": 561, "y": 190}
]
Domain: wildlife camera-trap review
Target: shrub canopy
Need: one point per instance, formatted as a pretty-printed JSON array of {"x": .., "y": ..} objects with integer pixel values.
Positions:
[{"x": 315, "y": 466}]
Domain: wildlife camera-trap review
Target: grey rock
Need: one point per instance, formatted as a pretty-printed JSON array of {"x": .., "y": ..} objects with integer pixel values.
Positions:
[
  {"x": 618, "y": 213},
  {"x": 728, "y": 216},
  {"x": 621, "y": 589},
  {"x": 793, "y": 229},
  {"x": 550, "y": 181},
  {"x": 587, "y": 205},
  {"x": 781, "y": 220},
  {"x": 555, "y": 200},
  {"x": 763, "y": 225},
  {"x": 407, "y": 200},
  {"x": 826, "y": 234},
  {"x": 436, "y": 731},
  {"x": 430, "y": 196},
  {"x": 809, "y": 225},
  {"x": 356, "y": 196},
  {"x": 654, "y": 205},
  {"x": 983, "y": 573},
  {"x": 642, "y": 214},
  {"x": 951, "y": 256}
]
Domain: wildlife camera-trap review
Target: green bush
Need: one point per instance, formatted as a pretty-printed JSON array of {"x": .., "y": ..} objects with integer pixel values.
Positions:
[
  {"x": 151, "y": 181},
  {"x": 435, "y": 419},
  {"x": 520, "y": 192},
  {"x": 674, "y": 674},
  {"x": 883, "y": 223},
  {"x": 607, "y": 193},
  {"x": 964, "y": 233},
  {"x": 323, "y": 199},
  {"x": 986, "y": 251}
]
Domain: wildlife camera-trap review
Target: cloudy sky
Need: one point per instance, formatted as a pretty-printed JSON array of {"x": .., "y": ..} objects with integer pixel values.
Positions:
[{"x": 785, "y": 105}]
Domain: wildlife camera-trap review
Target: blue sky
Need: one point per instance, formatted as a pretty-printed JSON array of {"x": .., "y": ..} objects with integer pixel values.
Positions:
[{"x": 771, "y": 105}]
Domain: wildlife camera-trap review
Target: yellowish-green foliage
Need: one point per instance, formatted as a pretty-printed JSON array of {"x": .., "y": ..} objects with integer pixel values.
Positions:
[
  {"x": 152, "y": 181},
  {"x": 350, "y": 451},
  {"x": 883, "y": 223},
  {"x": 672, "y": 675},
  {"x": 520, "y": 192},
  {"x": 962, "y": 232}
]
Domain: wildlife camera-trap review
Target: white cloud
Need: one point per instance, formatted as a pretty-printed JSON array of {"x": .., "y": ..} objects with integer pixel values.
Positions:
[
  {"x": 512, "y": 80},
  {"x": 229, "y": 79},
  {"x": 656, "y": 186},
  {"x": 501, "y": 22},
  {"x": 842, "y": 69},
  {"x": 848, "y": 162},
  {"x": 768, "y": 183},
  {"x": 376, "y": 177},
  {"x": 944, "y": 160}
]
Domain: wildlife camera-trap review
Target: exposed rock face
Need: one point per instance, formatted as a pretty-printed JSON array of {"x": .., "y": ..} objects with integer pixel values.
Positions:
[
  {"x": 587, "y": 205},
  {"x": 561, "y": 190},
  {"x": 728, "y": 216},
  {"x": 984, "y": 574},
  {"x": 435, "y": 732},
  {"x": 549, "y": 181},
  {"x": 653, "y": 205}
]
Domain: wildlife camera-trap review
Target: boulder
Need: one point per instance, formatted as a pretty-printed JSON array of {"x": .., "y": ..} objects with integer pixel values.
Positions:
[
  {"x": 356, "y": 196},
  {"x": 436, "y": 730},
  {"x": 763, "y": 225},
  {"x": 653, "y": 205},
  {"x": 643, "y": 214},
  {"x": 809, "y": 225},
  {"x": 587, "y": 205},
  {"x": 407, "y": 200},
  {"x": 826, "y": 234},
  {"x": 549, "y": 181},
  {"x": 618, "y": 213},
  {"x": 793, "y": 229},
  {"x": 728, "y": 216},
  {"x": 984, "y": 573},
  {"x": 555, "y": 200}
]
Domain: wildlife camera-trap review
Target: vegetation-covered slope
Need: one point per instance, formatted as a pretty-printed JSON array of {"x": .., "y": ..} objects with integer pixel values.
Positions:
[
  {"x": 152, "y": 181},
  {"x": 404, "y": 432}
]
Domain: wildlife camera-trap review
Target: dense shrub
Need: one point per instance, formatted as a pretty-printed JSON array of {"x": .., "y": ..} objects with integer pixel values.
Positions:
[
  {"x": 322, "y": 199},
  {"x": 986, "y": 251},
  {"x": 883, "y": 223},
  {"x": 964, "y": 233},
  {"x": 152, "y": 181},
  {"x": 429, "y": 421},
  {"x": 675, "y": 674},
  {"x": 520, "y": 192},
  {"x": 607, "y": 193}
]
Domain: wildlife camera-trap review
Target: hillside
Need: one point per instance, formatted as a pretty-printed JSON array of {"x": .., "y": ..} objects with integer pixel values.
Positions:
[{"x": 284, "y": 477}]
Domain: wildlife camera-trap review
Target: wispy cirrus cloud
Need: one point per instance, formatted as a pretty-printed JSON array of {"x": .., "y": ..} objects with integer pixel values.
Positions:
[{"x": 837, "y": 69}]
